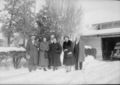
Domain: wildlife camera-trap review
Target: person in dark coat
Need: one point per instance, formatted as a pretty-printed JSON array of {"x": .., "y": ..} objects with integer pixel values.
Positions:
[
  {"x": 50, "y": 54},
  {"x": 56, "y": 50},
  {"x": 43, "y": 54},
  {"x": 68, "y": 54},
  {"x": 32, "y": 52},
  {"x": 38, "y": 47},
  {"x": 76, "y": 53}
]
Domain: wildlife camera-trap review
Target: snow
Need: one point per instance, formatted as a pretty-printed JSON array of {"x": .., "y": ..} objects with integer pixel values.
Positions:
[
  {"x": 97, "y": 11},
  {"x": 88, "y": 47},
  {"x": 94, "y": 72},
  {"x": 8, "y": 49},
  {"x": 101, "y": 32}
]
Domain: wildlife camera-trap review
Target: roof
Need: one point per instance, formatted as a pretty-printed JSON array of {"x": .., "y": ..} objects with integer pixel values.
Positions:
[{"x": 101, "y": 32}]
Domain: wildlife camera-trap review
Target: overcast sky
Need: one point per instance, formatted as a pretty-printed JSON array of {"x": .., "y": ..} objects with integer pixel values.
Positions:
[{"x": 95, "y": 11}]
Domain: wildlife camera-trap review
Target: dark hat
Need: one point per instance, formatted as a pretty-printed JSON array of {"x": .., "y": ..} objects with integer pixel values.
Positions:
[
  {"x": 33, "y": 34},
  {"x": 66, "y": 37}
]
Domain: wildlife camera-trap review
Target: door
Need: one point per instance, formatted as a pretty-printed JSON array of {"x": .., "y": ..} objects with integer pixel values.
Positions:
[{"x": 108, "y": 44}]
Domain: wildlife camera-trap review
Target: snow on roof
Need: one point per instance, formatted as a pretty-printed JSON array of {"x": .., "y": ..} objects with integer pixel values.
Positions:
[
  {"x": 9, "y": 49},
  {"x": 101, "y": 32},
  {"x": 88, "y": 47}
]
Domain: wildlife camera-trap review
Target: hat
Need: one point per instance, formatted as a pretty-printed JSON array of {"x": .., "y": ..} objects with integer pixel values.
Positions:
[{"x": 66, "y": 36}]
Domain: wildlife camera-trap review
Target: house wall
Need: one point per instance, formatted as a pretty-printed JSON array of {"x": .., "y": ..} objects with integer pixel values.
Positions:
[{"x": 95, "y": 42}]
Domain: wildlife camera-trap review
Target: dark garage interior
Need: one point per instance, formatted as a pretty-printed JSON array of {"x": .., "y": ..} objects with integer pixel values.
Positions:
[{"x": 108, "y": 44}]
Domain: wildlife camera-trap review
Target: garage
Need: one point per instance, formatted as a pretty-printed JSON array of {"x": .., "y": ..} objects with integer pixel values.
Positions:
[
  {"x": 108, "y": 46},
  {"x": 104, "y": 41}
]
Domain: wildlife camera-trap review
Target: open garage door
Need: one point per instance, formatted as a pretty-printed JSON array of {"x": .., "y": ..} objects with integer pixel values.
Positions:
[{"x": 108, "y": 44}]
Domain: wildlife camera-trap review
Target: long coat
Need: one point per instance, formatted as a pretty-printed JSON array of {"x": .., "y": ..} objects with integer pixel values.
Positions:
[
  {"x": 43, "y": 54},
  {"x": 50, "y": 54},
  {"x": 33, "y": 52},
  {"x": 69, "y": 59},
  {"x": 76, "y": 52},
  {"x": 81, "y": 51},
  {"x": 55, "y": 50}
]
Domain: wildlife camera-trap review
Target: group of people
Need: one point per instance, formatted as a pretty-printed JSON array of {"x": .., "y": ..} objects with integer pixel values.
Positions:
[{"x": 47, "y": 54}]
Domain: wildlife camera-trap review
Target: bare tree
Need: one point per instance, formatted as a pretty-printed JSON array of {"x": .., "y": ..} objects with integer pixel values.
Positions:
[
  {"x": 66, "y": 15},
  {"x": 7, "y": 26},
  {"x": 20, "y": 17}
]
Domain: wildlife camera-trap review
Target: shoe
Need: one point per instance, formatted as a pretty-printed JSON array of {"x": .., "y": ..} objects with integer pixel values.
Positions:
[
  {"x": 30, "y": 70},
  {"x": 39, "y": 68},
  {"x": 67, "y": 70},
  {"x": 44, "y": 69},
  {"x": 54, "y": 69},
  {"x": 49, "y": 67},
  {"x": 80, "y": 68}
]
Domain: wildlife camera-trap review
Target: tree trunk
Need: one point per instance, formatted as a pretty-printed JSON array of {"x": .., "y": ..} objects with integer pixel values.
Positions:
[
  {"x": 10, "y": 24},
  {"x": 24, "y": 39},
  {"x": 8, "y": 41}
]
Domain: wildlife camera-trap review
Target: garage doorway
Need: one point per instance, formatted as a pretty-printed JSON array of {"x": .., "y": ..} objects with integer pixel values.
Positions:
[{"x": 108, "y": 45}]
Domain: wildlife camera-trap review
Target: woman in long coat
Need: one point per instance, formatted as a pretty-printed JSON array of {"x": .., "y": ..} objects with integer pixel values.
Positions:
[
  {"x": 43, "y": 54},
  {"x": 32, "y": 52},
  {"x": 56, "y": 50},
  {"x": 69, "y": 59},
  {"x": 50, "y": 54}
]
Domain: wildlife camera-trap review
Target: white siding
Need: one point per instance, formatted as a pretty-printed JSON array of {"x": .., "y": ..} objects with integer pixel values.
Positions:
[{"x": 94, "y": 42}]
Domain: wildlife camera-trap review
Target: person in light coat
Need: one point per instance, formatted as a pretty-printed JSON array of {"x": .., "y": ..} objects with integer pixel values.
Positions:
[
  {"x": 44, "y": 47},
  {"x": 32, "y": 52},
  {"x": 81, "y": 53}
]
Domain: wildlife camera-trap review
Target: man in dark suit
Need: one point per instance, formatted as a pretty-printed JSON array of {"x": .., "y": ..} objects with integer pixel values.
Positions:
[
  {"x": 79, "y": 53},
  {"x": 50, "y": 55},
  {"x": 76, "y": 53}
]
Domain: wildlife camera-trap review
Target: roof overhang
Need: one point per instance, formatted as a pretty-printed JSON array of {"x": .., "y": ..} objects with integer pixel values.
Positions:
[{"x": 113, "y": 31}]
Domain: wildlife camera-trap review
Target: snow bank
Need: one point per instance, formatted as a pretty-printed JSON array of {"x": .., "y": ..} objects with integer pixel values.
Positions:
[
  {"x": 89, "y": 61},
  {"x": 9, "y": 49},
  {"x": 101, "y": 73}
]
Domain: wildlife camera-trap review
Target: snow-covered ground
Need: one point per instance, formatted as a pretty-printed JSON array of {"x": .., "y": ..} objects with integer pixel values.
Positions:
[{"x": 94, "y": 72}]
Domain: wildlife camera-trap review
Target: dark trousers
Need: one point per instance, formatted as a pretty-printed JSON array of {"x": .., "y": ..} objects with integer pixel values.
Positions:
[
  {"x": 50, "y": 61},
  {"x": 80, "y": 65},
  {"x": 32, "y": 67},
  {"x": 76, "y": 64}
]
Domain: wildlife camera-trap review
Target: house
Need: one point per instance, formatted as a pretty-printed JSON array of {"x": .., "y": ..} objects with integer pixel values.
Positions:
[{"x": 102, "y": 30}]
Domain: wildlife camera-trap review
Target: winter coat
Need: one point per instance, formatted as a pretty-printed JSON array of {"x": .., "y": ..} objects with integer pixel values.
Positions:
[
  {"x": 69, "y": 59},
  {"x": 33, "y": 52},
  {"x": 55, "y": 50},
  {"x": 81, "y": 51},
  {"x": 43, "y": 58}
]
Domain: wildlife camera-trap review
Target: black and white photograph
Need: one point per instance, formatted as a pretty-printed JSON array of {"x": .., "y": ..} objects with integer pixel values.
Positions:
[{"x": 60, "y": 42}]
